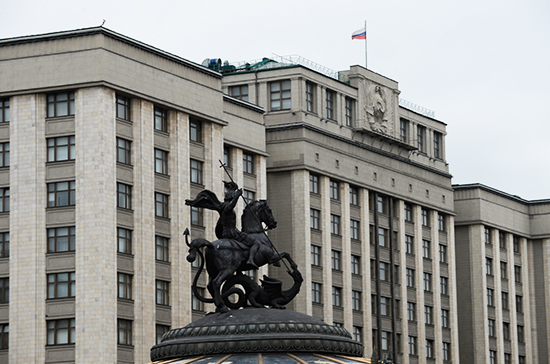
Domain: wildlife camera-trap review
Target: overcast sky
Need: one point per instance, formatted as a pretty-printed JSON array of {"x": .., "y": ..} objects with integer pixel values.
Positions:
[{"x": 483, "y": 66}]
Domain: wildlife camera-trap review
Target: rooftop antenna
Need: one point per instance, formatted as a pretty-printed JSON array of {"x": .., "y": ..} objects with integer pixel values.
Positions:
[{"x": 102, "y": 23}]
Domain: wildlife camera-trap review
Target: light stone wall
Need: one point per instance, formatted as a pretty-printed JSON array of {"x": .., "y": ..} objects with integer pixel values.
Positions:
[
  {"x": 96, "y": 302},
  {"x": 27, "y": 229},
  {"x": 324, "y": 225},
  {"x": 301, "y": 236},
  {"x": 143, "y": 237},
  {"x": 365, "y": 271}
]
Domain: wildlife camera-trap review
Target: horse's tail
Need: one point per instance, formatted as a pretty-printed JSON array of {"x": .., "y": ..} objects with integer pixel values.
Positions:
[{"x": 194, "y": 248}]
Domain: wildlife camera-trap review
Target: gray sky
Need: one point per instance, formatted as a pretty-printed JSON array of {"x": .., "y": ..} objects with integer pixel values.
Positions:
[{"x": 481, "y": 65}]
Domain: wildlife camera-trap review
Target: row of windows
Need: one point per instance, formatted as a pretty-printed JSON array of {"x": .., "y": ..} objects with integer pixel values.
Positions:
[
  {"x": 491, "y": 300},
  {"x": 489, "y": 270},
  {"x": 492, "y": 331},
  {"x": 516, "y": 243},
  {"x": 421, "y": 142}
]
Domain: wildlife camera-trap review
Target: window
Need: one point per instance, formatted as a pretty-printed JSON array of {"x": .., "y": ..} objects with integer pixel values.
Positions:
[
  {"x": 382, "y": 237},
  {"x": 487, "y": 234},
  {"x": 334, "y": 188},
  {"x": 505, "y": 304},
  {"x": 248, "y": 163},
  {"x": 161, "y": 205},
  {"x": 441, "y": 222},
  {"x": 521, "y": 335},
  {"x": 382, "y": 204},
  {"x": 428, "y": 315},
  {"x": 161, "y": 120},
  {"x": 124, "y": 150},
  {"x": 124, "y": 286},
  {"x": 61, "y": 285},
  {"x": 4, "y": 154},
  {"x": 240, "y": 92},
  {"x": 350, "y": 106},
  {"x": 426, "y": 249},
  {"x": 491, "y": 327},
  {"x": 162, "y": 251},
  {"x": 420, "y": 138},
  {"x": 197, "y": 304},
  {"x": 521, "y": 359},
  {"x": 517, "y": 273},
  {"x": 195, "y": 131},
  {"x": 409, "y": 244},
  {"x": 337, "y": 296},
  {"x": 124, "y": 241},
  {"x": 61, "y": 239},
  {"x": 374, "y": 304},
  {"x": 411, "y": 311},
  {"x": 334, "y": 224},
  {"x": 507, "y": 358},
  {"x": 122, "y": 107},
  {"x": 445, "y": 323},
  {"x": 384, "y": 271},
  {"x": 60, "y": 104},
  {"x": 4, "y": 336},
  {"x": 355, "y": 264},
  {"x": 404, "y": 131},
  {"x": 335, "y": 257},
  {"x": 162, "y": 292},
  {"x": 412, "y": 345},
  {"x": 356, "y": 300},
  {"x": 313, "y": 183},
  {"x": 503, "y": 270},
  {"x": 506, "y": 330},
  {"x": 443, "y": 253},
  {"x": 160, "y": 331},
  {"x": 427, "y": 282},
  {"x": 444, "y": 285},
  {"x": 410, "y": 277},
  {"x": 490, "y": 297},
  {"x": 280, "y": 95},
  {"x": 4, "y": 110},
  {"x": 446, "y": 351},
  {"x": 425, "y": 217},
  {"x": 384, "y": 340},
  {"x": 492, "y": 357},
  {"x": 161, "y": 161},
  {"x": 197, "y": 216},
  {"x": 124, "y": 200},
  {"x": 315, "y": 255},
  {"x": 502, "y": 239},
  {"x": 310, "y": 97},
  {"x": 429, "y": 348},
  {"x": 354, "y": 196},
  {"x": 4, "y": 245},
  {"x": 438, "y": 138},
  {"x": 489, "y": 266},
  {"x": 61, "y": 332},
  {"x": 124, "y": 332},
  {"x": 60, "y": 194},
  {"x": 4, "y": 199},
  {"x": 314, "y": 218},
  {"x": 516, "y": 244},
  {"x": 196, "y": 171},
  {"x": 408, "y": 212},
  {"x": 331, "y": 104},
  {"x": 384, "y": 306},
  {"x": 249, "y": 196},
  {"x": 316, "y": 292},
  {"x": 357, "y": 333},
  {"x": 60, "y": 149},
  {"x": 354, "y": 229},
  {"x": 4, "y": 290},
  {"x": 519, "y": 304},
  {"x": 227, "y": 156}
]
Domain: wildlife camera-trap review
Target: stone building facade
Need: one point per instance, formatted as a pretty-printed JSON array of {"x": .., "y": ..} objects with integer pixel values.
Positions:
[
  {"x": 103, "y": 138},
  {"x": 503, "y": 259},
  {"x": 368, "y": 206}
]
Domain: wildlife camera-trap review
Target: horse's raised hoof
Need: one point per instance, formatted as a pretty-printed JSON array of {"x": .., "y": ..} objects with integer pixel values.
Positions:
[
  {"x": 223, "y": 309},
  {"x": 277, "y": 264}
]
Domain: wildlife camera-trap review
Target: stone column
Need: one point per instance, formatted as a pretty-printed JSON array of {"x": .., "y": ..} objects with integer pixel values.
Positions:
[
  {"x": 301, "y": 232},
  {"x": 346, "y": 256},
  {"x": 436, "y": 288},
  {"x": 451, "y": 252},
  {"x": 419, "y": 282},
  {"x": 528, "y": 304},
  {"x": 402, "y": 280},
  {"x": 27, "y": 229},
  {"x": 96, "y": 211},
  {"x": 365, "y": 271},
  {"x": 324, "y": 224}
]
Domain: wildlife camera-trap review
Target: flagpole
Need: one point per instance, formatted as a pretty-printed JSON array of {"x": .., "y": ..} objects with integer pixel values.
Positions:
[{"x": 366, "y": 63}]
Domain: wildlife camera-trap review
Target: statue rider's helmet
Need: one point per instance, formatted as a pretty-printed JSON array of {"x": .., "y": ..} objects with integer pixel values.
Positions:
[{"x": 230, "y": 189}]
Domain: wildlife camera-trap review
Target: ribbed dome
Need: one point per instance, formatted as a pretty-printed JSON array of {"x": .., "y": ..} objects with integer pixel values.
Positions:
[{"x": 252, "y": 333}]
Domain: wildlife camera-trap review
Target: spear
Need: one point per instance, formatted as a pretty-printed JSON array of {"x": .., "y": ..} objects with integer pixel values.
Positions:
[{"x": 222, "y": 165}]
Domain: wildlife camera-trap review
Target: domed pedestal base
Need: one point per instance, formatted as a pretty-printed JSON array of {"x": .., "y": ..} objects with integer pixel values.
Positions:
[{"x": 255, "y": 330}]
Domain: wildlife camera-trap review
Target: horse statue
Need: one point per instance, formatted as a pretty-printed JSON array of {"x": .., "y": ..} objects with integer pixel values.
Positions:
[{"x": 225, "y": 257}]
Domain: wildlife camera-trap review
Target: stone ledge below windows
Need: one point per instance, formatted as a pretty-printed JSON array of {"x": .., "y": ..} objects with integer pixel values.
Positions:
[{"x": 60, "y": 353}]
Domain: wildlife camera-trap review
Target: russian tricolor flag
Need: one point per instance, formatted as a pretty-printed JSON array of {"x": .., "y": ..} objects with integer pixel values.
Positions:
[{"x": 360, "y": 34}]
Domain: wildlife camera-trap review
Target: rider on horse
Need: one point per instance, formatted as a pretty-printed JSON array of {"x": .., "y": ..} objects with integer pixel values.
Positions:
[{"x": 226, "y": 228}]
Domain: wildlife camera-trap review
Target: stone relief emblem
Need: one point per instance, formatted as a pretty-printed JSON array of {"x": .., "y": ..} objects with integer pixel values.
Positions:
[{"x": 378, "y": 111}]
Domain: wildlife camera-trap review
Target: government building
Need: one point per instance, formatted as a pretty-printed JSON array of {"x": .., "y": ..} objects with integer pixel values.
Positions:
[{"x": 102, "y": 138}]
